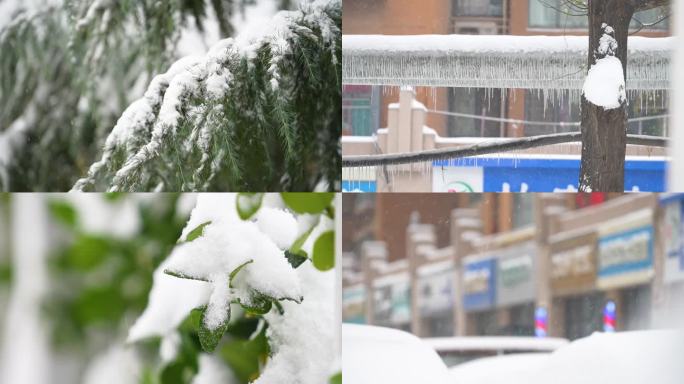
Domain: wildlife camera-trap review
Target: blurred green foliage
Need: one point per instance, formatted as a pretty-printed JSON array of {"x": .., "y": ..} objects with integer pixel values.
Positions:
[{"x": 100, "y": 280}]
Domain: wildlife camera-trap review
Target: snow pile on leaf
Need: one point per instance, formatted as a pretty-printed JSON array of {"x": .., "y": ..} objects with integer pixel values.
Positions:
[
  {"x": 241, "y": 116},
  {"x": 251, "y": 251},
  {"x": 302, "y": 342},
  {"x": 605, "y": 82}
]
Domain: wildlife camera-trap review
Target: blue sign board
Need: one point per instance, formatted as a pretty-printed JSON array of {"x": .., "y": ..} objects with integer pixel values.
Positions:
[
  {"x": 535, "y": 174},
  {"x": 479, "y": 282},
  {"x": 359, "y": 186},
  {"x": 625, "y": 252}
]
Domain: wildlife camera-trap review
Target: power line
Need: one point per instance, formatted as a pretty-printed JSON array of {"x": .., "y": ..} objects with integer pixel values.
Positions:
[
  {"x": 497, "y": 146},
  {"x": 542, "y": 123}
]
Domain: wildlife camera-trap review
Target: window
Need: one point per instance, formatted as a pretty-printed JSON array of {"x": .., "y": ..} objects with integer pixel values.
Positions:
[
  {"x": 567, "y": 111},
  {"x": 648, "y": 105},
  {"x": 644, "y": 105},
  {"x": 554, "y": 14},
  {"x": 475, "y": 103},
  {"x": 360, "y": 107},
  {"x": 523, "y": 209},
  {"x": 492, "y": 8}
]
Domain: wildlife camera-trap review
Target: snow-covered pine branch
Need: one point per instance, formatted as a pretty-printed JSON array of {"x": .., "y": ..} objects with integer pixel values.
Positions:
[
  {"x": 255, "y": 113},
  {"x": 70, "y": 67}
]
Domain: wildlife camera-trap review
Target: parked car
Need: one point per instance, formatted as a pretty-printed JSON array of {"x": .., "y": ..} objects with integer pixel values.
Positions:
[
  {"x": 640, "y": 357},
  {"x": 643, "y": 357},
  {"x": 374, "y": 355},
  {"x": 458, "y": 350},
  {"x": 518, "y": 368}
]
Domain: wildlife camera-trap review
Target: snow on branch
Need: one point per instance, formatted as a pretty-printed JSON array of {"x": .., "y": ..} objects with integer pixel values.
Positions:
[
  {"x": 527, "y": 62},
  {"x": 225, "y": 259},
  {"x": 496, "y": 146},
  {"x": 236, "y": 107}
]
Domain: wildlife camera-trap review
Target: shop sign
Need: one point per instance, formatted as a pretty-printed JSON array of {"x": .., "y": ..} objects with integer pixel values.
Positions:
[
  {"x": 515, "y": 275},
  {"x": 534, "y": 173},
  {"x": 673, "y": 237},
  {"x": 479, "y": 284},
  {"x": 392, "y": 300},
  {"x": 354, "y": 304},
  {"x": 435, "y": 292},
  {"x": 626, "y": 258},
  {"x": 572, "y": 266}
]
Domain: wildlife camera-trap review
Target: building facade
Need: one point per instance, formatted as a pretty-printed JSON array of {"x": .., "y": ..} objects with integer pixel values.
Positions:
[
  {"x": 365, "y": 108},
  {"x": 621, "y": 255}
]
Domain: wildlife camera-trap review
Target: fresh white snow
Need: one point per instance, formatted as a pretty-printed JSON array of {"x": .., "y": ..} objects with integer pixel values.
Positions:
[
  {"x": 170, "y": 301},
  {"x": 381, "y": 355},
  {"x": 548, "y": 63},
  {"x": 605, "y": 83},
  {"x": 624, "y": 357}
]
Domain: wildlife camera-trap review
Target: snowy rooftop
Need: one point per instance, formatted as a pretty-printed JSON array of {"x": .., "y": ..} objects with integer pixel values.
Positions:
[{"x": 497, "y": 61}]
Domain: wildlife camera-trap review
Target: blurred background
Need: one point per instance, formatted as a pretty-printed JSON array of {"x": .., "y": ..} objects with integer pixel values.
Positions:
[
  {"x": 76, "y": 273},
  {"x": 545, "y": 266}
]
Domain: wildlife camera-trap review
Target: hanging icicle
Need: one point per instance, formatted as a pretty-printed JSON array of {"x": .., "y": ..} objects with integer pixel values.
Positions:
[{"x": 548, "y": 63}]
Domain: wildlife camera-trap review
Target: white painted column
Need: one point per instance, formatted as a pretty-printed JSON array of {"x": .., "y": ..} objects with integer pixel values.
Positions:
[{"x": 25, "y": 356}]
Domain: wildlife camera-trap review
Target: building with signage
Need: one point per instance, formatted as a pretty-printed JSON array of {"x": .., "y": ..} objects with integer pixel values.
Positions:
[
  {"x": 365, "y": 107},
  {"x": 618, "y": 264}
]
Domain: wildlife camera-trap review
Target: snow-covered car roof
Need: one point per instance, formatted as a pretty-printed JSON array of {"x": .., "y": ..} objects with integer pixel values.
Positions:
[
  {"x": 374, "y": 355},
  {"x": 626, "y": 358},
  {"x": 495, "y": 343},
  {"x": 506, "y": 369}
]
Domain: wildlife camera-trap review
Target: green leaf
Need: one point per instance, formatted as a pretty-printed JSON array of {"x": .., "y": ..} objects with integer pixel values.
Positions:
[
  {"x": 245, "y": 356},
  {"x": 88, "y": 252},
  {"x": 297, "y": 245},
  {"x": 259, "y": 305},
  {"x": 209, "y": 338},
  {"x": 296, "y": 258},
  {"x": 248, "y": 204},
  {"x": 113, "y": 196},
  {"x": 197, "y": 232},
  {"x": 307, "y": 202},
  {"x": 336, "y": 379},
  {"x": 64, "y": 213},
  {"x": 324, "y": 251},
  {"x": 236, "y": 270},
  {"x": 182, "y": 275}
]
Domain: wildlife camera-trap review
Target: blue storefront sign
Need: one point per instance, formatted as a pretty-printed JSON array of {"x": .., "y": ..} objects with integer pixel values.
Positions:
[
  {"x": 359, "y": 186},
  {"x": 537, "y": 174},
  {"x": 479, "y": 284},
  {"x": 625, "y": 257}
]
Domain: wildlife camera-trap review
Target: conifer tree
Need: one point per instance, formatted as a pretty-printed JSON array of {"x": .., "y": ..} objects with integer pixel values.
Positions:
[{"x": 252, "y": 114}]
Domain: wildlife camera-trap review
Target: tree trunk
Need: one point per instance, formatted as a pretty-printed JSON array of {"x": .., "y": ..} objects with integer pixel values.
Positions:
[{"x": 604, "y": 132}]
